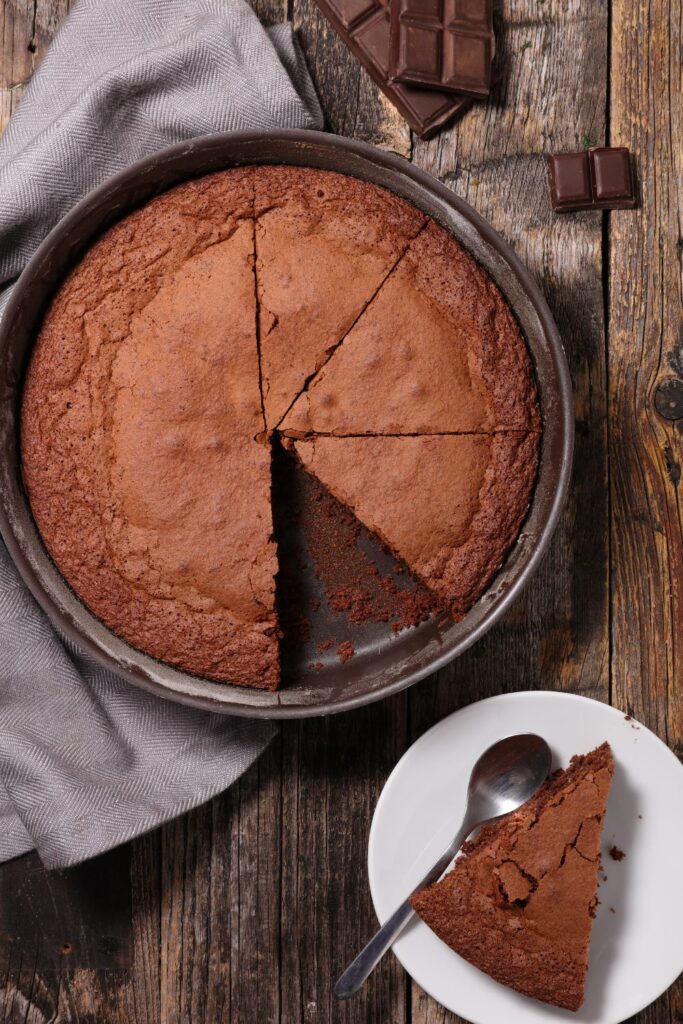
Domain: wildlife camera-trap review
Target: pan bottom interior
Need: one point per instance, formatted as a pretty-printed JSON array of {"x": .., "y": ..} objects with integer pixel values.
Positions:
[{"x": 340, "y": 594}]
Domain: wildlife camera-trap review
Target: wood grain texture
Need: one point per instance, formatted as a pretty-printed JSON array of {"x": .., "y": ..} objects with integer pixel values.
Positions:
[
  {"x": 26, "y": 28},
  {"x": 246, "y": 910},
  {"x": 646, "y": 348},
  {"x": 332, "y": 774}
]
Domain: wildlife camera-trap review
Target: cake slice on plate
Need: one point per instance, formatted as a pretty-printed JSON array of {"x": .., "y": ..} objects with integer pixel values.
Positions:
[{"x": 520, "y": 900}]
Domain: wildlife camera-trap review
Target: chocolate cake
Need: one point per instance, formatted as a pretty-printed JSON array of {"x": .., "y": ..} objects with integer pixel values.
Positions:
[
  {"x": 175, "y": 349},
  {"x": 520, "y": 900},
  {"x": 124, "y": 422},
  {"x": 324, "y": 245},
  {"x": 456, "y": 364}
]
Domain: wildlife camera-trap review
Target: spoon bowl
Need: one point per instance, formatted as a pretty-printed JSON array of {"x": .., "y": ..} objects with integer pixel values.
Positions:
[{"x": 507, "y": 775}]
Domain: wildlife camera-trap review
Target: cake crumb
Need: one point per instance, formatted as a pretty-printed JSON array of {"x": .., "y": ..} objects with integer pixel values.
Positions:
[
  {"x": 616, "y": 854},
  {"x": 345, "y": 651},
  {"x": 325, "y": 645}
]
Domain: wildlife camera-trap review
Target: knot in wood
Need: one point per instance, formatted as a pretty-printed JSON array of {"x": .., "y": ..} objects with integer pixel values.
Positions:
[{"x": 669, "y": 399}]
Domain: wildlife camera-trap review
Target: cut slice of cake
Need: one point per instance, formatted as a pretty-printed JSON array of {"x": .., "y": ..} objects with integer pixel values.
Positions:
[
  {"x": 520, "y": 900},
  {"x": 324, "y": 244},
  {"x": 449, "y": 506},
  {"x": 436, "y": 351}
]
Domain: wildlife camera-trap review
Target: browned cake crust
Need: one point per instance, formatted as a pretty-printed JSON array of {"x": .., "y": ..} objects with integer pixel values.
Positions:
[
  {"x": 140, "y": 408},
  {"x": 519, "y": 903},
  {"x": 456, "y": 363},
  {"x": 324, "y": 244},
  {"x": 450, "y": 506}
]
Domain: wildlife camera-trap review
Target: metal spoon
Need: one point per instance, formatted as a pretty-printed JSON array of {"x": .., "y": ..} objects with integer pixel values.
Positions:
[{"x": 505, "y": 777}]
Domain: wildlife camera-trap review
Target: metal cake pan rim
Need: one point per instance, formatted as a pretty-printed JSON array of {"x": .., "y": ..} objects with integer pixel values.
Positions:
[{"x": 180, "y": 686}]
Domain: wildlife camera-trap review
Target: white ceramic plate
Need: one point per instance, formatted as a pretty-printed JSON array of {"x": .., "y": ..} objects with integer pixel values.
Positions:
[{"x": 637, "y": 951}]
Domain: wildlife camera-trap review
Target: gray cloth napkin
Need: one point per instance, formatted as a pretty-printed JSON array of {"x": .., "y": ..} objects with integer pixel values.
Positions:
[{"x": 86, "y": 761}]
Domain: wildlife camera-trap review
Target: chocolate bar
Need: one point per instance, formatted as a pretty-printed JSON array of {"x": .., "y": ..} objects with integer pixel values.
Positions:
[
  {"x": 595, "y": 179},
  {"x": 364, "y": 25},
  {"x": 443, "y": 44}
]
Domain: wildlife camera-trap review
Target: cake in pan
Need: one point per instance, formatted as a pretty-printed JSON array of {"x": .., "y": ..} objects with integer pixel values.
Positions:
[{"x": 251, "y": 307}]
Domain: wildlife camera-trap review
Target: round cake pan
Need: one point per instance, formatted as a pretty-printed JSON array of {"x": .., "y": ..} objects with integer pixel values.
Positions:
[{"x": 383, "y": 665}]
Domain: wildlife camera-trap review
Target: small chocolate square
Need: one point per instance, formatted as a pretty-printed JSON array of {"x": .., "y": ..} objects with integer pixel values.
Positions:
[
  {"x": 467, "y": 59},
  {"x": 570, "y": 183},
  {"x": 425, "y": 10},
  {"x": 475, "y": 13},
  {"x": 350, "y": 12},
  {"x": 372, "y": 37},
  {"x": 420, "y": 51},
  {"x": 595, "y": 179},
  {"x": 611, "y": 173}
]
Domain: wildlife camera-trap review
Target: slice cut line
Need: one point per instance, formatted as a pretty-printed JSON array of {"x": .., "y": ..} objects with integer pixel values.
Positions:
[
  {"x": 325, "y": 242},
  {"x": 456, "y": 364}
]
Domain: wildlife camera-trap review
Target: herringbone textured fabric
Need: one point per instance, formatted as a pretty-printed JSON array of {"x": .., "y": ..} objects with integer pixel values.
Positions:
[{"x": 86, "y": 761}]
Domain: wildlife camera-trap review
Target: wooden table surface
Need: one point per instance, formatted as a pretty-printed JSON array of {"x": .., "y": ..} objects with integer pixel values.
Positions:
[{"x": 245, "y": 910}]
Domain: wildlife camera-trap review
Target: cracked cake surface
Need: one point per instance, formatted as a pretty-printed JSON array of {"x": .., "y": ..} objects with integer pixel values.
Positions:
[
  {"x": 520, "y": 900},
  {"x": 139, "y": 412},
  {"x": 324, "y": 245},
  {"x": 457, "y": 363},
  {"x": 449, "y": 505},
  {"x": 174, "y": 348}
]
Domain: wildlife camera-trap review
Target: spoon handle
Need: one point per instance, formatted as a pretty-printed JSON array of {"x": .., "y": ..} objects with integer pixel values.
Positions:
[{"x": 364, "y": 964}]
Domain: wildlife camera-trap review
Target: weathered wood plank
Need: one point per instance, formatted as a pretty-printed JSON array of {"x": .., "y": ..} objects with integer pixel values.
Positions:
[
  {"x": 645, "y": 349},
  {"x": 333, "y": 773},
  {"x": 556, "y": 636},
  {"x": 26, "y": 28},
  {"x": 144, "y": 978},
  {"x": 65, "y": 940},
  {"x": 254, "y": 897},
  {"x": 60, "y": 918},
  {"x": 270, "y": 12}
]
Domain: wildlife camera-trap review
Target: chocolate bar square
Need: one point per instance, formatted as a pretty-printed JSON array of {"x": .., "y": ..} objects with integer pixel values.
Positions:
[
  {"x": 570, "y": 181},
  {"x": 444, "y": 44},
  {"x": 471, "y": 12},
  {"x": 611, "y": 173},
  {"x": 466, "y": 60},
  {"x": 351, "y": 12},
  {"x": 420, "y": 49}
]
